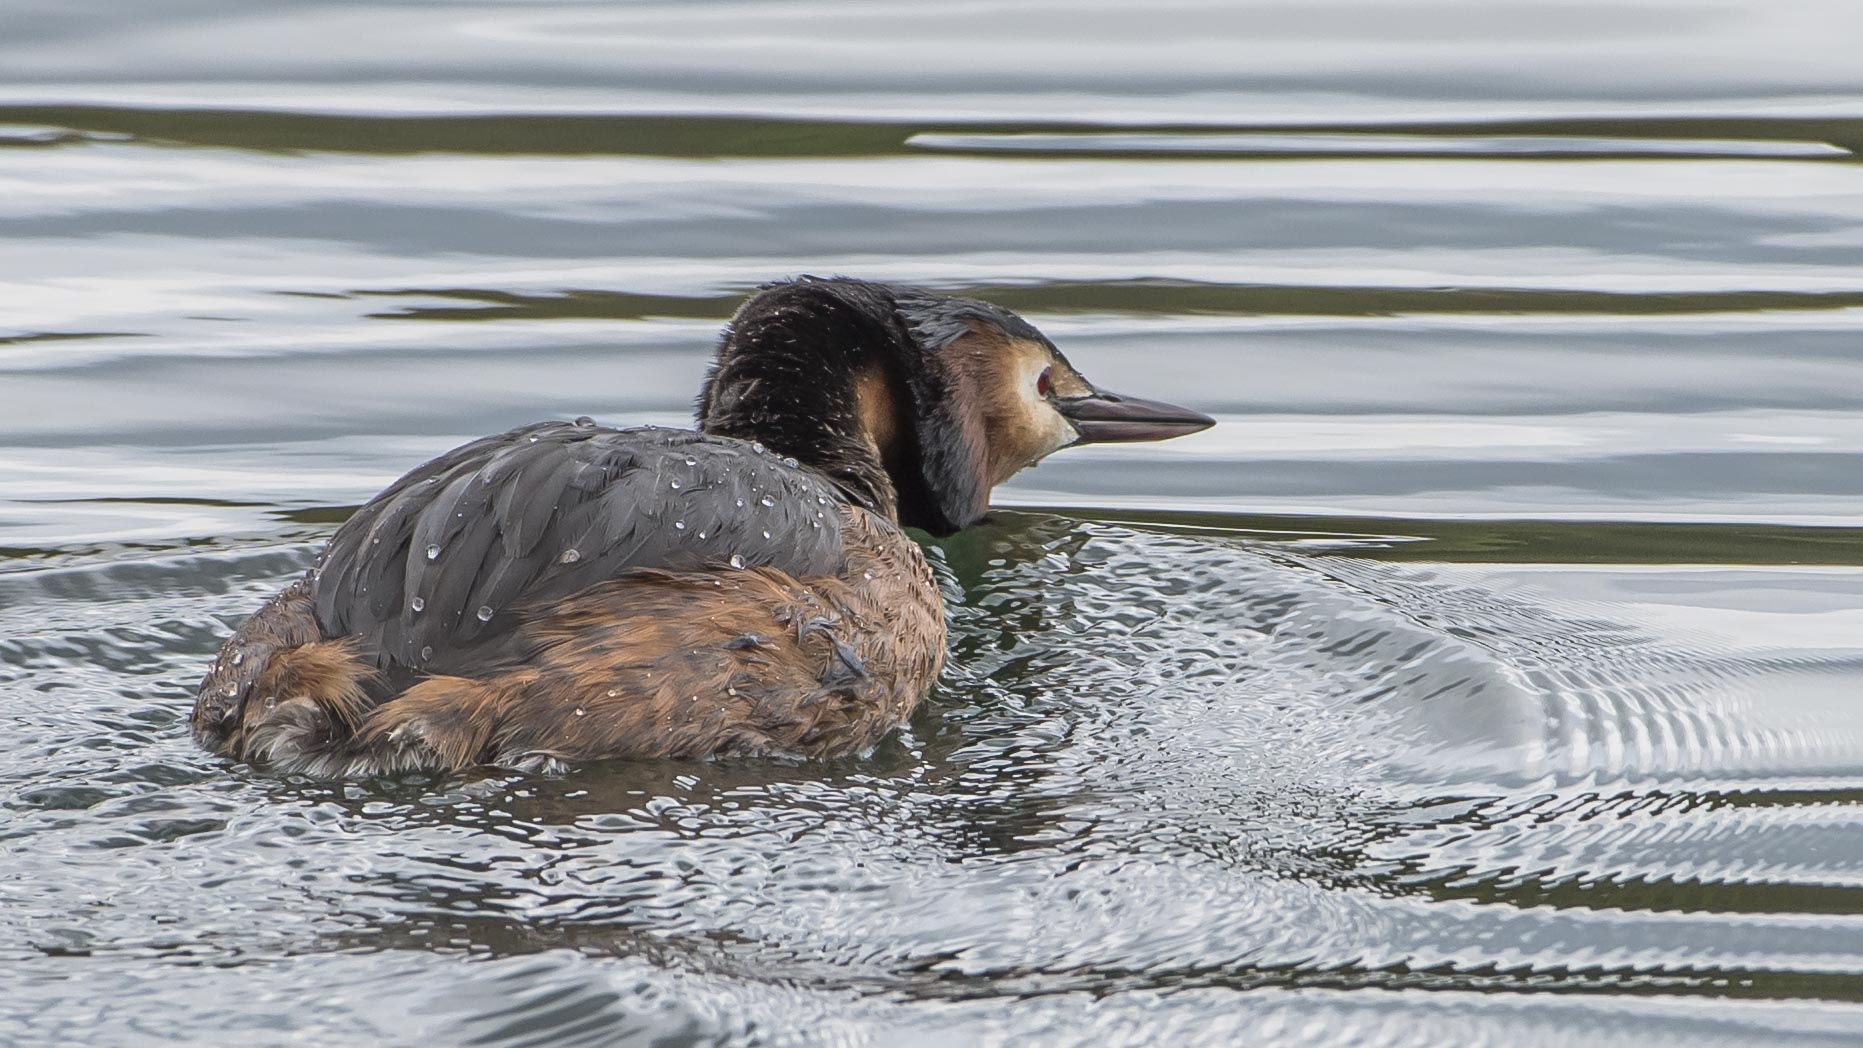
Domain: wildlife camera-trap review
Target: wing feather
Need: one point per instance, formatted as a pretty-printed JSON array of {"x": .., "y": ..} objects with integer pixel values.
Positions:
[{"x": 520, "y": 520}]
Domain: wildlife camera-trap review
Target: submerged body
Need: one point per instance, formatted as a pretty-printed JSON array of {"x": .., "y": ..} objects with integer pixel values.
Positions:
[{"x": 567, "y": 592}]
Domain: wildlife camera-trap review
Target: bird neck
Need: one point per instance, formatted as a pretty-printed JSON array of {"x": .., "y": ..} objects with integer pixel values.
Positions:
[{"x": 810, "y": 381}]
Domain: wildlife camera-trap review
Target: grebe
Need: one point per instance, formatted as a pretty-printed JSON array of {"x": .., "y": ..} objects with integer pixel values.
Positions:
[{"x": 569, "y": 592}]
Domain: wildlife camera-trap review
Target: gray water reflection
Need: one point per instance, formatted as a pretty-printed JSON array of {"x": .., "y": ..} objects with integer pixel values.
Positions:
[
  {"x": 1487, "y": 676},
  {"x": 1262, "y": 768}
]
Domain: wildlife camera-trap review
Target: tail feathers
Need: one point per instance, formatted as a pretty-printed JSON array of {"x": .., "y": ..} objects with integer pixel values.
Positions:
[
  {"x": 302, "y": 709},
  {"x": 310, "y": 711},
  {"x": 282, "y": 695},
  {"x": 230, "y": 690}
]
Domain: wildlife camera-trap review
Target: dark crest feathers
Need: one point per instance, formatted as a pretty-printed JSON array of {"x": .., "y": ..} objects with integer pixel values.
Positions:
[{"x": 785, "y": 369}]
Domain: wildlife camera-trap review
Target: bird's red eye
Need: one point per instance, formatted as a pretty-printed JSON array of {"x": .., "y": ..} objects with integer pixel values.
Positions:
[{"x": 1045, "y": 384}]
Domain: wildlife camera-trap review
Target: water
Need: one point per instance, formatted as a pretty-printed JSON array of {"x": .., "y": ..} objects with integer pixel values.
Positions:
[{"x": 1489, "y": 675}]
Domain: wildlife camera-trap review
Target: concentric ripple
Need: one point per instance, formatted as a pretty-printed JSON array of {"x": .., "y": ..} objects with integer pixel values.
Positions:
[{"x": 1169, "y": 774}]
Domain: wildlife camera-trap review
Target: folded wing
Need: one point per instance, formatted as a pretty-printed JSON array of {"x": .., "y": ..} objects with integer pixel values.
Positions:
[{"x": 435, "y": 573}]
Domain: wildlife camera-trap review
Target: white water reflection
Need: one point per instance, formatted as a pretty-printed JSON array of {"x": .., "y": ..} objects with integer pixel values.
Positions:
[
  {"x": 1206, "y": 60},
  {"x": 1295, "y": 142}
]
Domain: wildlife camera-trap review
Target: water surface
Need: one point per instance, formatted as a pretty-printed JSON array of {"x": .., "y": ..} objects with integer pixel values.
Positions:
[{"x": 1489, "y": 675}]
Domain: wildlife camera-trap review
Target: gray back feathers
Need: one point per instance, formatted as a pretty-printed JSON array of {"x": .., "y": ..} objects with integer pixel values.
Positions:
[{"x": 430, "y": 574}]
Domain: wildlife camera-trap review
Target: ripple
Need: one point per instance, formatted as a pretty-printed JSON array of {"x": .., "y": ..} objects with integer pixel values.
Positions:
[
  {"x": 1361, "y": 143},
  {"x": 1554, "y": 741},
  {"x": 1258, "y": 768}
]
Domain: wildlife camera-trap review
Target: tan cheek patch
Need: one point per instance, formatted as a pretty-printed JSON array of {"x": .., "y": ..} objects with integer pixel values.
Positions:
[
  {"x": 1020, "y": 425},
  {"x": 1043, "y": 430}
]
